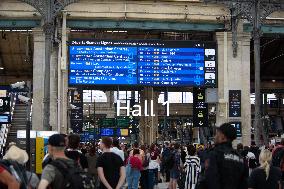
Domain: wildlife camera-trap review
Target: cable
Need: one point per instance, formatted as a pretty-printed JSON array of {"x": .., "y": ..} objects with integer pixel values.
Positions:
[{"x": 274, "y": 58}]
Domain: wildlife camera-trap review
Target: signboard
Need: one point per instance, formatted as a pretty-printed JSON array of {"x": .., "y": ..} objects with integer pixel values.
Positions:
[
  {"x": 107, "y": 122},
  {"x": 5, "y": 115},
  {"x": 4, "y": 104},
  {"x": 122, "y": 132},
  {"x": 5, "y": 118},
  {"x": 200, "y": 108},
  {"x": 107, "y": 132},
  {"x": 235, "y": 102},
  {"x": 21, "y": 134},
  {"x": 123, "y": 122},
  {"x": 76, "y": 115},
  {"x": 143, "y": 63},
  {"x": 39, "y": 154},
  {"x": 238, "y": 127}
]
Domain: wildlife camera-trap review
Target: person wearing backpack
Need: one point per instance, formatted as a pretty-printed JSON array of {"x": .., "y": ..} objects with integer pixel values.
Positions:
[
  {"x": 165, "y": 156},
  {"x": 62, "y": 172},
  {"x": 7, "y": 181},
  {"x": 175, "y": 168},
  {"x": 14, "y": 162},
  {"x": 224, "y": 167}
]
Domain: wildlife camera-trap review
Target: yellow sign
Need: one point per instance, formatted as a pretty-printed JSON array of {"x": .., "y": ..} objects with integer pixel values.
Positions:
[
  {"x": 124, "y": 132},
  {"x": 39, "y": 154}
]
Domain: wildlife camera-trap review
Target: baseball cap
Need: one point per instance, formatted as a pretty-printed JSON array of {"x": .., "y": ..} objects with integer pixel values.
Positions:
[
  {"x": 228, "y": 130},
  {"x": 56, "y": 140}
]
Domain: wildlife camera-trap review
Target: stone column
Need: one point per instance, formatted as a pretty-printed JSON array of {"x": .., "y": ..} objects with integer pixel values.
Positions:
[
  {"x": 38, "y": 78},
  {"x": 53, "y": 88},
  {"x": 234, "y": 74},
  {"x": 149, "y": 124}
]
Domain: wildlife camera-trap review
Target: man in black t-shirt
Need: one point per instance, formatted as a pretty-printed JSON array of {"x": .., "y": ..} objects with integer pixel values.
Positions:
[{"x": 110, "y": 167}]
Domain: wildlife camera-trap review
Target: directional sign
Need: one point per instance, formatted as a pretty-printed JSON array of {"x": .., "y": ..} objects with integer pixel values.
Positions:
[
  {"x": 107, "y": 122},
  {"x": 5, "y": 118},
  {"x": 200, "y": 108},
  {"x": 235, "y": 97},
  {"x": 122, "y": 122},
  {"x": 76, "y": 117},
  {"x": 4, "y": 104},
  {"x": 238, "y": 127}
]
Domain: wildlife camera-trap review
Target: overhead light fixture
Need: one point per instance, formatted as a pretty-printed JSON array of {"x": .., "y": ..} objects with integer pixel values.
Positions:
[
  {"x": 273, "y": 80},
  {"x": 1, "y": 68}
]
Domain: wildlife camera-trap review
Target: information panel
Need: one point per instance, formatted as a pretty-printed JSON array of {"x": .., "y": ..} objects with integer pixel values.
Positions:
[
  {"x": 143, "y": 63},
  {"x": 235, "y": 97}
]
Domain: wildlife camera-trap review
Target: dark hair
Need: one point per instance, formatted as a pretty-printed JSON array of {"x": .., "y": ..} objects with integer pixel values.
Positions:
[
  {"x": 176, "y": 146},
  {"x": 73, "y": 141},
  {"x": 228, "y": 131},
  {"x": 152, "y": 147},
  {"x": 167, "y": 144},
  {"x": 136, "y": 151},
  {"x": 240, "y": 146},
  {"x": 115, "y": 142},
  {"x": 136, "y": 145},
  {"x": 107, "y": 141},
  {"x": 191, "y": 150}
]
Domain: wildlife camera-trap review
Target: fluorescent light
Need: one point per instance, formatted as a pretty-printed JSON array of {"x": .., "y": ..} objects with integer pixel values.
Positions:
[{"x": 1, "y": 68}]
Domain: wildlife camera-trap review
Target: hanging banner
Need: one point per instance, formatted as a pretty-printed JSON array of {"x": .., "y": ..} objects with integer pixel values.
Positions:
[{"x": 200, "y": 108}]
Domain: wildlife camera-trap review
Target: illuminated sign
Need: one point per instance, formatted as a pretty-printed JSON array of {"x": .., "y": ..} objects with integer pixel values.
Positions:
[
  {"x": 200, "y": 108},
  {"x": 235, "y": 103},
  {"x": 143, "y": 63}
]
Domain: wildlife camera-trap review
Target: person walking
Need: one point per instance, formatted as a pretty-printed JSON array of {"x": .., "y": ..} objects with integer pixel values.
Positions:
[
  {"x": 266, "y": 176},
  {"x": 154, "y": 167},
  {"x": 110, "y": 167},
  {"x": 92, "y": 157},
  {"x": 115, "y": 149},
  {"x": 224, "y": 167},
  {"x": 175, "y": 168},
  {"x": 192, "y": 168},
  {"x": 134, "y": 166}
]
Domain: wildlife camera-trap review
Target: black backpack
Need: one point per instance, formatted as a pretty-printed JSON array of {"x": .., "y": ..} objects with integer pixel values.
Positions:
[
  {"x": 17, "y": 171},
  {"x": 277, "y": 157},
  {"x": 170, "y": 161},
  {"x": 74, "y": 176}
]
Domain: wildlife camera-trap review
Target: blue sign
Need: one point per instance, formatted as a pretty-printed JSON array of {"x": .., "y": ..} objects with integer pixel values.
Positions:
[
  {"x": 143, "y": 63},
  {"x": 107, "y": 132}
]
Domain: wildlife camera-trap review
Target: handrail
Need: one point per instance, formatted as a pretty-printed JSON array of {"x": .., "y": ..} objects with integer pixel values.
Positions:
[{"x": 6, "y": 127}]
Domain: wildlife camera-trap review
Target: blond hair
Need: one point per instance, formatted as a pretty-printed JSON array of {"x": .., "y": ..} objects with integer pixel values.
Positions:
[{"x": 265, "y": 158}]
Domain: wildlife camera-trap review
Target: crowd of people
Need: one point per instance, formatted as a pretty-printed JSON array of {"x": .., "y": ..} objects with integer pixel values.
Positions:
[{"x": 110, "y": 164}]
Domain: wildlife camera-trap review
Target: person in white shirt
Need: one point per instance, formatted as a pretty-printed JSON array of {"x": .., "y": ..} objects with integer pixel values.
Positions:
[{"x": 115, "y": 149}]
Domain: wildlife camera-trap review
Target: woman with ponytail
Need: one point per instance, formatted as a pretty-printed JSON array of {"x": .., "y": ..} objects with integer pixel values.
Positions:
[{"x": 265, "y": 176}]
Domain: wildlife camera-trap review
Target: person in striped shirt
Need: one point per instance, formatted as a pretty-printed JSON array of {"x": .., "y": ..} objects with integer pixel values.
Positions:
[{"x": 192, "y": 167}]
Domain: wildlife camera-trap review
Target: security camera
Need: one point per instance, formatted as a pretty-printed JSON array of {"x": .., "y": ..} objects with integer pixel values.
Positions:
[
  {"x": 73, "y": 107},
  {"x": 23, "y": 99},
  {"x": 19, "y": 85}
]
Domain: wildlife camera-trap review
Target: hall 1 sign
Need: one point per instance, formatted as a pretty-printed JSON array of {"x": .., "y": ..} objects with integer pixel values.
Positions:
[
  {"x": 235, "y": 101},
  {"x": 200, "y": 108}
]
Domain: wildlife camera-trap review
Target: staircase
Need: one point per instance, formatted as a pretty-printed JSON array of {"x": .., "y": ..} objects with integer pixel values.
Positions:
[{"x": 19, "y": 121}]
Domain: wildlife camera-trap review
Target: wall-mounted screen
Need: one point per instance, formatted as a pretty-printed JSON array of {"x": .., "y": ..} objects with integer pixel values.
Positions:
[{"x": 142, "y": 63}]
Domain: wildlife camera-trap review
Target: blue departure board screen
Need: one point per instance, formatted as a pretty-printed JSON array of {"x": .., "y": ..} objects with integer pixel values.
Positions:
[{"x": 142, "y": 63}]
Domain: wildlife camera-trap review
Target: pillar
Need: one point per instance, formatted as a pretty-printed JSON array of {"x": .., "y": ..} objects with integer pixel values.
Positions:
[
  {"x": 149, "y": 124},
  {"x": 234, "y": 74},
  {"x": 38, "y": 78},
  {"x": 53, "y": 88}
]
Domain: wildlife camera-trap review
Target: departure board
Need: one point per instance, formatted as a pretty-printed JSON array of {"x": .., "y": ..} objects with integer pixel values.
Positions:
[{"x": 142, "y": 63}]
